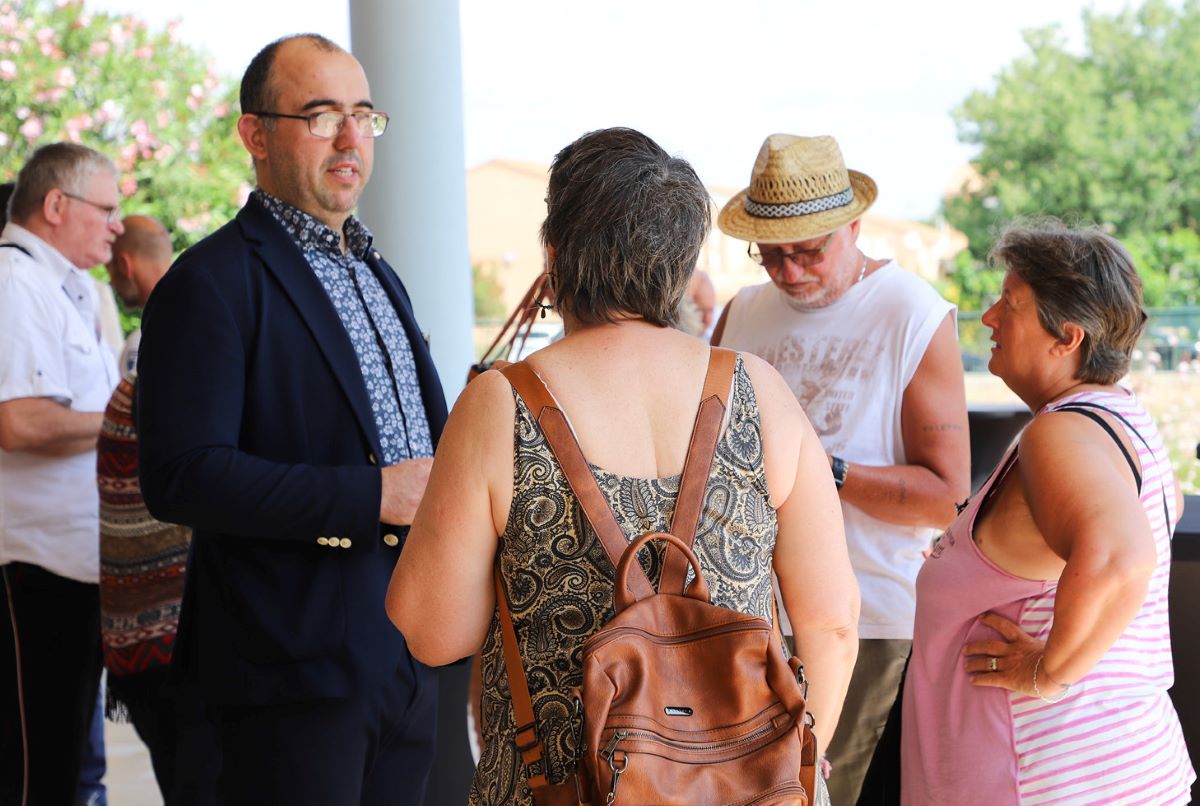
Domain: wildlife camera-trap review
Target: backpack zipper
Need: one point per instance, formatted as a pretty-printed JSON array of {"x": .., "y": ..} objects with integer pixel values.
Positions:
[
  {"x": 617, "y": 632},
  {"x": 617, "y": 764}
]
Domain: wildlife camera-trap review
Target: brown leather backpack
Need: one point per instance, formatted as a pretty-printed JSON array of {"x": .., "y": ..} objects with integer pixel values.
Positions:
[{"x": 682, "y": 701}]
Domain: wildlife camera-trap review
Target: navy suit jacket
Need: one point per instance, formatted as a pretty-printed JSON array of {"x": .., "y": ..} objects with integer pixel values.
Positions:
[{"x": 255, "y": 428}]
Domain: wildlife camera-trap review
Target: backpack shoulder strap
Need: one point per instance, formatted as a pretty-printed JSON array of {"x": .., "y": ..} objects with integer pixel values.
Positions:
[
  {"x": 529, "y": 744},
  {"x": 706, "y": 431},
  {"x": 562, "y": 441}
]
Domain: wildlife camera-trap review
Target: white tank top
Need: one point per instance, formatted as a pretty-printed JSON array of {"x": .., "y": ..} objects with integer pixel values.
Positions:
[{"x": 849, "y": 364}]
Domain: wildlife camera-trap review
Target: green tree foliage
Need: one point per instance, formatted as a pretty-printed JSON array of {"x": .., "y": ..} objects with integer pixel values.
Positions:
[
  {"x": 489, "y": 303},
  {"x": 154, "y": 105},
  {"x": 1108, "y": 135}
]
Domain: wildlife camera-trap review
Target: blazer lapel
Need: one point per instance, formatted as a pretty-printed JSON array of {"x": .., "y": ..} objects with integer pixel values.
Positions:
[{"x": 283, "y": 258}]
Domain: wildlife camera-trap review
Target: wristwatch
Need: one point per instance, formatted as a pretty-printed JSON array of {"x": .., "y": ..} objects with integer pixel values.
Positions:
[{"x": 838, "y": 465}]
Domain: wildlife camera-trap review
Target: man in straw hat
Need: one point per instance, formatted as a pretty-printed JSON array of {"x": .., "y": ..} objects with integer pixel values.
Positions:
[{"x": 871, "y": 352}]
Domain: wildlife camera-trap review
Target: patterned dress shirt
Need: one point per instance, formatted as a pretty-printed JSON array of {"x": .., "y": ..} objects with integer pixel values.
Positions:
[{"x": 385, "y": 356}]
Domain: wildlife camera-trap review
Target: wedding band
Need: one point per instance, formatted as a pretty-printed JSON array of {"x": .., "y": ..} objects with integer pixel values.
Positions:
[{"x": 992, "y": 665}]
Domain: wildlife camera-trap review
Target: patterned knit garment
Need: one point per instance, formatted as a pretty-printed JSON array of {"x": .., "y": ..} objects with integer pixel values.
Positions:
[
  {"x": 560, "y": 581},
  {"x": 142, "y": 561}
]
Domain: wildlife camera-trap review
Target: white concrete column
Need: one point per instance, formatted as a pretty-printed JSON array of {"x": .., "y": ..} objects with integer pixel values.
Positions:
[{"x": 416, "y": 202}]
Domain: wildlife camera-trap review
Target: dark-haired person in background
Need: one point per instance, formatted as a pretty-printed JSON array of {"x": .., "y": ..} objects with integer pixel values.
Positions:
[
  {"x": 56, "y": 374},
  {"x": 1042, "y": 653},
  {"x": 287, "y": 410}
]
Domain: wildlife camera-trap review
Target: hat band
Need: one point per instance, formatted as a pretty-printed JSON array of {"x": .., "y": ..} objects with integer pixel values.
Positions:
[{"x": 806, "y": 207}]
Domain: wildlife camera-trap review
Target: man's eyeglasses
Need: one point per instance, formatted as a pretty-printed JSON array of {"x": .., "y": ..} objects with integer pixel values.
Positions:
[
  {"x": 773, "y": 258},
  {"x": 329, "y": 124},
  {"x": 111, "y": 211}
]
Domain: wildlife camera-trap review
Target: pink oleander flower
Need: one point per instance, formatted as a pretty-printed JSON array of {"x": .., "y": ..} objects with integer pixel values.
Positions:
[
  {"x": 8, "y": 70},
  {"x": 162, "y": 118},
  {"x": 109, "y": 110},
  {"x": 159, "y": 87},
  {"x": 32, "y": 129},
  {"x": 64, "y": 77},
  {"x": 140, "y": 130},
  {"x": 144, "y": 52},
  {"x": 99, "y": 48},
  {"x": 77, "y": 125},
  {"x": 128, "y": 186},
  {"x": 188, "y": 224},
  {"x": 221, "y": 110},
  {"x": 45, "y": 35},
  {"x": 4, "y": 141}
]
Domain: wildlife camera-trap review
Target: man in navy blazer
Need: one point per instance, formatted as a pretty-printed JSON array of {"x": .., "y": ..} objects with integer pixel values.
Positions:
[{"x": 288, "y": 409}]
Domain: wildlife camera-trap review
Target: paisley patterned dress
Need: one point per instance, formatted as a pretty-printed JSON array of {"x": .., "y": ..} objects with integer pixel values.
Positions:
[{"x": 560, "y": 581}]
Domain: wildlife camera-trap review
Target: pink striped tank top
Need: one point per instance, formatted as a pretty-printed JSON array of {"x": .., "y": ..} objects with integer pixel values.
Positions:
[{"x": 1114, "y": 739}]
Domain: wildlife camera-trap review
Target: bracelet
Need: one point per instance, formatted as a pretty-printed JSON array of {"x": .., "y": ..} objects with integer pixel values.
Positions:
[{"x": 1066, "y": 688}]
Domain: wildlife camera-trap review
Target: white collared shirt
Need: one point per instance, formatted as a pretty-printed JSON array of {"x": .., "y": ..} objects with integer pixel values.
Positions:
[{"x": 49, "y": 348}]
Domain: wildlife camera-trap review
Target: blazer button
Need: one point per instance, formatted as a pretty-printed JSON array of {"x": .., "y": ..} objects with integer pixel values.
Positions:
[
  {"x": 322, "y": 541},
  {"x": 391, "y": 540},
  {"x": 344, "y": 542},
  {"x": 371, "y": 458}
]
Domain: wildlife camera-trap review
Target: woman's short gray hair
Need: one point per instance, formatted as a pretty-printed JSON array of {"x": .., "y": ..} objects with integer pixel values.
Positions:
[
  {"x": 1083, "y": 276},
  {"x": 626, "y": 220}
]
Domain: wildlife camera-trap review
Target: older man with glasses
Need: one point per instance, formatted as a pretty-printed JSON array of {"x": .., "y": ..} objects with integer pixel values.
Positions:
[
  {"x": 287, "y": 410},
  {"x": 871, "y": 352},
  {"x": 56, "y": 374}
]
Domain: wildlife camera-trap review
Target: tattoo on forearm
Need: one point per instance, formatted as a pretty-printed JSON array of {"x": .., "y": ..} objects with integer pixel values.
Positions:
[
  {"x": 903, "y": 490},
  {"x": 941, "y": 427}
]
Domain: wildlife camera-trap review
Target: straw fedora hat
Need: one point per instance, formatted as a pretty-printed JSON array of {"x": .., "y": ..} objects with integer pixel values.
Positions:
[{"x": 799, "y": 189}]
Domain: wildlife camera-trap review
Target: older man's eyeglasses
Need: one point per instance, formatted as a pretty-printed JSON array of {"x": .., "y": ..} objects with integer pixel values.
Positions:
[
  {"x": 773, "y": 258},
  {"x": 329, "y": 124},
  {"x": 111, "y": 211}
]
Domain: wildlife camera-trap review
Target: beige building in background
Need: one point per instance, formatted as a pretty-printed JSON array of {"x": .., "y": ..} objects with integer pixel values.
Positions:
[{"x": 506, "y": 205}]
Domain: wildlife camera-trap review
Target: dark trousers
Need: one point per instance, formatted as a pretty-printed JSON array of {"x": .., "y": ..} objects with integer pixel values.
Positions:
[
  {"x": 49, "y": 676},
  {"x": 373, "y": 749},
  {"x": 182, "y": 741}
]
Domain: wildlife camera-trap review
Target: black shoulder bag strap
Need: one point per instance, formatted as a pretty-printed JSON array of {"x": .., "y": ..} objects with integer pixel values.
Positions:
[
  {"x": 17, "y": 246},
  {"x": 1088, "y": 409}
]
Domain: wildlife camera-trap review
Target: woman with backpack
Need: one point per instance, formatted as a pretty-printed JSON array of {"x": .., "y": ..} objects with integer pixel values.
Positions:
[{"x": 624, "y": 227}]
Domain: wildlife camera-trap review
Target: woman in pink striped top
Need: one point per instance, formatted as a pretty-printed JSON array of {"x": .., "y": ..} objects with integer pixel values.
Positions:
[{"x": 1042, "y": 656}]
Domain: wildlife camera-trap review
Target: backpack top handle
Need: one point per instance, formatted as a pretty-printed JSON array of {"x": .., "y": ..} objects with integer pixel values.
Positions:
[{"x": 622, "y": 598}]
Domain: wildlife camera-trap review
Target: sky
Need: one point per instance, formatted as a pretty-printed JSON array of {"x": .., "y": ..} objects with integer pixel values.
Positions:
[{"x": 707, "y": 80}]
